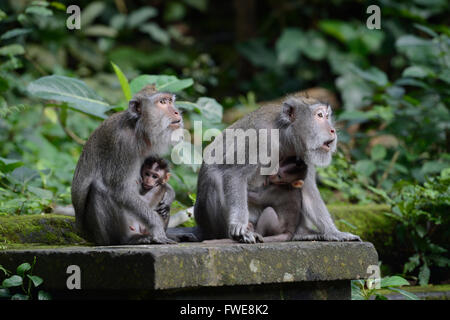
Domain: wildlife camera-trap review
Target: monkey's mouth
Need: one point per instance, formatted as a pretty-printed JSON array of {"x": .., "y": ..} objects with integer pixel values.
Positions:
[
  {"x": 326, "y": 145},
  {"x": 147, "y": 187},
  {"x": 176, "y": 124}
]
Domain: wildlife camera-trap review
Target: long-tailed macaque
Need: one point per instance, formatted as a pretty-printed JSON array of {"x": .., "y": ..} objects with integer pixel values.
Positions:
[
  {"x": 277, "y": 202},
  {"x": 306, "y": 131},
  {"x": 155, "y": 188},
  {"x": 104, "y": 193}
]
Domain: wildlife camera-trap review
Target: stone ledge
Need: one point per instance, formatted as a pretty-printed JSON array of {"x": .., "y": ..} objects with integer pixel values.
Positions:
[{"x": 197, "y": 265}]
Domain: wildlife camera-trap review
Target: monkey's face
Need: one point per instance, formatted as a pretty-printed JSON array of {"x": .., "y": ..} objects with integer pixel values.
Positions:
[
  {"x": 153, "y": 176},
  {"x": 157, "y": 119},
  {"x": 314, "y": 134},
  {"x": 166, "y": 111}
]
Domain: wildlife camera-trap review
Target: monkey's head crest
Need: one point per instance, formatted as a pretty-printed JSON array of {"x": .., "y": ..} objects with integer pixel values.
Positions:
[{"x": 148, "y": 90}]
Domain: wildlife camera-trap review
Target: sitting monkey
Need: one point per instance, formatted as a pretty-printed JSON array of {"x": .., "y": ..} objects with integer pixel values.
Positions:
[
  {"x": 155, "y": 190},
  {"x": 280, "y": 214}
]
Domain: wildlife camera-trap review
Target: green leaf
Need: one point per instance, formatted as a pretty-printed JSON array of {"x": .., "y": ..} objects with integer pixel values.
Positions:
[
  {"x": 156, "y": 33},
  {"x": 91, "y": 12},
  {"x": 365, "y": 167},
  {"x": 19, "y": 296},
  {"x": 123, "y": 82},
  {"x": 289, "y": 46},
  {"x": 394, "y": 281},
  {"x": 39, "y": 10},
  {"x": 355, "y": 93},
  {"x": 373, "y": 75},
  {"x": 417, "y": 72},
  {"x": 12, "y": 49},
  {"x": 6, "y": 272},
  {"x": 200, "y": 5},
  {"x": 343, "y": 31},
  {"x": 73, "y": 91},
  {"x": 13, "y": 281},
  {"x": 357, "y": 293},
  {"x": 8, "y": 165},
  {"x": 3, "y": 15},
  {"x": 409, "y": 295},
  {"x": 188, "y": 106},
  {"x": 211, "y": 110},
  {"x": 424, "y": 275},
  {"x": 412, "y": 41},
  {"x": 163, "y": 83},
  {"x": 4, "y": 293},
  {"x": 37, "y": 281},
  {"x": 378, "y": 152},
  {"x": 41, "y": 193},
  {"x": 42, "y": 295},
  {"x": 315, "y": 47},
  {"x": 23, "y": 268},
  {"x": 426, "y": 30},
  {"x": 14, "y": 33},
  {"x": 138, "y": 17}
]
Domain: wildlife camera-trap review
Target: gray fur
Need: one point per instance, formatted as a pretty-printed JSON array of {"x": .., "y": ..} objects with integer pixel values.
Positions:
[
  {"x": 105, "y": 194},
  {"x": 222, "y": 209}
]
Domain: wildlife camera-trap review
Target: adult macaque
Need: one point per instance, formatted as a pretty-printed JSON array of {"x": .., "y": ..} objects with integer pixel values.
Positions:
[
  {"x": 222, "y": 209},
  {"x": 104, "y": 193},
  {"x": 154, "y": 187}
]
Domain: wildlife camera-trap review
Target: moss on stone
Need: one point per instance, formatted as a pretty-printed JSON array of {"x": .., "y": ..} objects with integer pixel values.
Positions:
[
  {"x": 368, "y": 220},
  {"x": 43, "y": 229}
]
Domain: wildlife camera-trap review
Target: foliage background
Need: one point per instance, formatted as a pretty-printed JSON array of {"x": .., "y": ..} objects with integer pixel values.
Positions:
[{"x": 391, "y": 86}]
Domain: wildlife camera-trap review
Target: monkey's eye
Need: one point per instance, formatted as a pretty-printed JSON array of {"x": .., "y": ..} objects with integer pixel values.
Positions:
[
  {"x": 320, "y": 115},
  {"x": 147, "y": 174},
  {"x": 154, "y": 176},
  {"x": 162, "y": 101}
]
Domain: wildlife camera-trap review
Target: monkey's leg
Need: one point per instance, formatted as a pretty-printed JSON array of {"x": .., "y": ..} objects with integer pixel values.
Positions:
[
  {"x": 236, "y": 213},
  {"x": 134, "y": 208},
  {"x": 268, "y": 223},
  {"x": 314, "y": 209},
  {"x": 98, "y": 225}
]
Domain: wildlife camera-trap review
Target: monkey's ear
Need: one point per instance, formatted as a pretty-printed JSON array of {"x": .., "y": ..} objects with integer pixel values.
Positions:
[
  {"x": 135, "y": 107},
  {"x": 167, "y": 177},
  {"x": 289, "y": 111}
]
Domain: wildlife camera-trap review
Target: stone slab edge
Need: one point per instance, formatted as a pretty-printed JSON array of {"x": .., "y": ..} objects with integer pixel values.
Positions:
[{"x": 191, "y": 265}]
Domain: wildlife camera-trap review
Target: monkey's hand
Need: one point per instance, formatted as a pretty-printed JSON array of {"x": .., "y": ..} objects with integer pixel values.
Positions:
[{"x": 240, "y": 232}]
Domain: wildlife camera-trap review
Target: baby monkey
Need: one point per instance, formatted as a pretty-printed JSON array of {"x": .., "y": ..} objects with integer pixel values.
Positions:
[
  {"x": 155, "y": 189},
  {"x": 277, "y": 200},
  {"x": 279, "y": 217}
]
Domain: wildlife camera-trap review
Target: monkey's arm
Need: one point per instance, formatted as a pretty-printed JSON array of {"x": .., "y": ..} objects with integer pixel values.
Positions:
[
  {"x": 163, "y": 207},
  {"x": 237, "y": 215},
  {"x": 134, "y": 205},
  {"x": 314, "y": 209}
]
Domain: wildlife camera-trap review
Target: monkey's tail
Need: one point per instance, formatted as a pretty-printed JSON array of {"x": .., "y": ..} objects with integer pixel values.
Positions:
[
  {"x": 181, "y": 217},
  {"x": 185, "y": 234},
  {"x": 64, "y": 210}
]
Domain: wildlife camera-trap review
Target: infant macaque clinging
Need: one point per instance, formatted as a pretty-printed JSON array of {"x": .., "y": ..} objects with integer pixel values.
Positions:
[{"x": 154, "y": 187}]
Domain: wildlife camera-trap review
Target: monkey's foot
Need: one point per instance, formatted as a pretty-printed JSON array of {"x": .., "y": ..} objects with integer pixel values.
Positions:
[
  {"x": 162, "y": 240},
  {"x": 330, "y": 236},
  {"x": 241, "y": 233}
]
